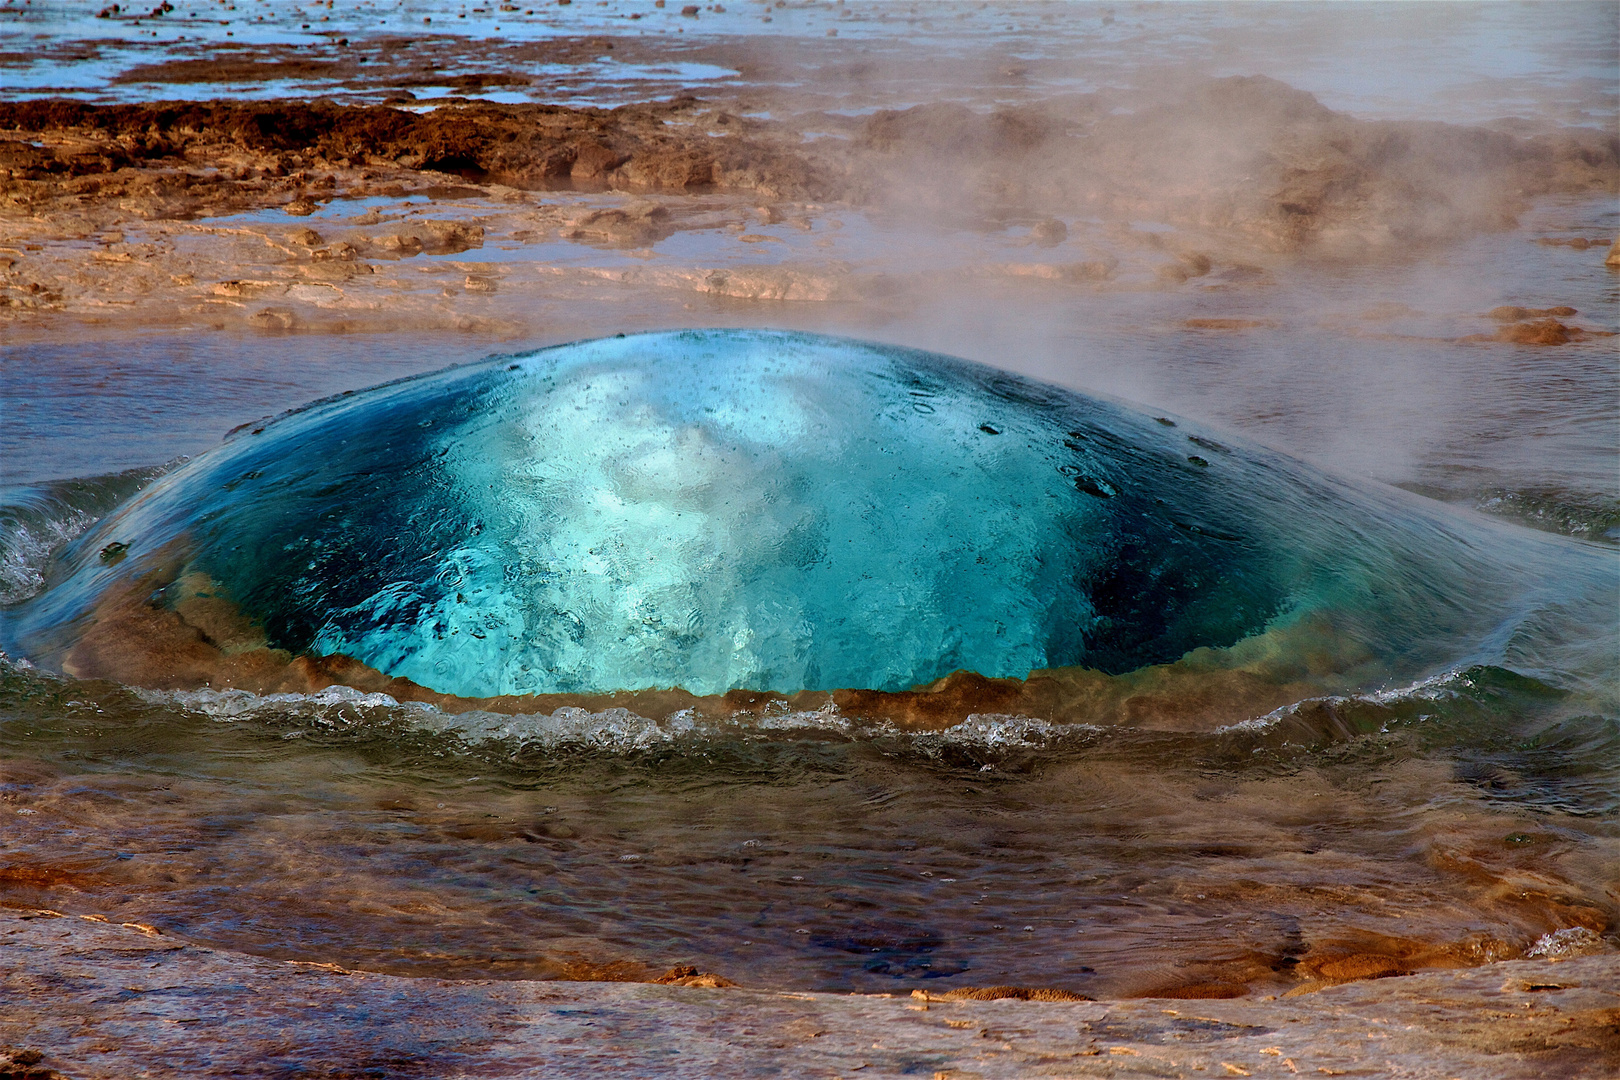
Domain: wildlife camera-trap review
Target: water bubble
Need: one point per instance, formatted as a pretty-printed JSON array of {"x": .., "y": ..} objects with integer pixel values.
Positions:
[{"x": 448, "y": 571}]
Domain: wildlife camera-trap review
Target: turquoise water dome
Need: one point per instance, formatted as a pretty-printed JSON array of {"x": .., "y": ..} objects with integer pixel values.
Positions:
[{"x": 717, "y": 510}]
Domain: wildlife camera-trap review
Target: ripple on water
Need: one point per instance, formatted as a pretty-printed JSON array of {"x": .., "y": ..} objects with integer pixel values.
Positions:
[{"x": 825, "y": 853}]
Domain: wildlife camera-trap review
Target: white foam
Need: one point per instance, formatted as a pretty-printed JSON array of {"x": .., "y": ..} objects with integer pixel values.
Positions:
[
  {"x": 1572, "y": 941},
  {"x": 615, "y": 730},
  {"x": 1433, "y": 688}
]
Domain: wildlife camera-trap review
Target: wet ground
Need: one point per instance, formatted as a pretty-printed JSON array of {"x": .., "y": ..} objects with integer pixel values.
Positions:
[
  {"x": 129, "y": 1000},
  {"x": 1465, "y": 821}
]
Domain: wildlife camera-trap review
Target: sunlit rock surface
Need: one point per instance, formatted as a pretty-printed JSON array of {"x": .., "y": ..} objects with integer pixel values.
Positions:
[
  {"x": 139, "y": 1002},
  {"x": 718, "y": 510}
]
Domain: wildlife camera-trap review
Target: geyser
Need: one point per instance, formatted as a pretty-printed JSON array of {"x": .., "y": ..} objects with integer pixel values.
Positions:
[{"x": 720, "y": 510}]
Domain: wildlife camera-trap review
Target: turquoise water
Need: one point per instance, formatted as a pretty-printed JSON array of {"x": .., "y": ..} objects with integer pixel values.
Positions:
[{"x": 759, "y": 510}]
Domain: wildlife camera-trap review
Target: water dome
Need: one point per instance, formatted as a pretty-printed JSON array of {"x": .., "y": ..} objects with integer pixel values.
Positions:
[{"x": 752, "y": 510}]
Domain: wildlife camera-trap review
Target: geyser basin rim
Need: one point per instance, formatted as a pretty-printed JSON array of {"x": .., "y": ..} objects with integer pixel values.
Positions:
[
  {"x": 1311, "y": 722},
  {"x": 761, "y": 511}
]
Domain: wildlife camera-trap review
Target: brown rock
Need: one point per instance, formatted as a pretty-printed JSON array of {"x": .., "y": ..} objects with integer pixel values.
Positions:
[
  {"x": 1227, "y": 324},
  {"x": 20, "y": 1063},
  {"x": 639, "y": 224},
  {"x": 1198, "y": 991},
  {"x": 1542, "y": 332},
  {"x": 680, "y": 170},
  {"x": 593, "y": 160},
  {"x": 1197, "y": 263},
  {"x": 1004, "y": 993},
  {"x": 1076, "y": 272},
  {"x": 533, "y": 146},
  {"x": 273, "y": 319},
  {"x": 333, "y": 270},
  {"x": 34, "y": 876},
  {"x": 1362, "y": 966},
  {"x": 1509, "y": 313},
  {"x": 1175, "y": 273},
  {"x": 1050, "y": 232},
  {"x": 401, "y": 245},
  {"x": 341, "y": 252},
  {"x": 449, "y": 237},
  {"x": 687, "y": 975}
]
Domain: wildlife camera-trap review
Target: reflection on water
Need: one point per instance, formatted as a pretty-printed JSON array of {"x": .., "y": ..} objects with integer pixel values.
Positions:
[{"x": 1452, "y": 824}]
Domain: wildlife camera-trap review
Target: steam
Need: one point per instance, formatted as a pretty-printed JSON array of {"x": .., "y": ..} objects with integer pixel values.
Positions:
[
  {"x": 1286, "y": 220},
  {"x": 1235, "y": 247}
]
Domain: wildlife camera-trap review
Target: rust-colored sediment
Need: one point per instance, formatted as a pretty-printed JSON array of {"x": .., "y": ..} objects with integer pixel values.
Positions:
[
  {"x": 687, "y": 975},
  {"x": 1290, "y": 172},
  {"x": 1536, "y": 326},
  {"x": 42, "y": 877},
  {"x": 1546, "y": 332},
  {"x": 259, "y": 148},
  {"x": 114, "y": 1018},
  {"x": 196, "y": 639},
  {"x": 1351, "y": 955},
  {"x": 1002, "y": 993}
]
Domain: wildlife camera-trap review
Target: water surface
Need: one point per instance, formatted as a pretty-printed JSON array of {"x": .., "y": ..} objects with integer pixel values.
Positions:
[{"x": 1449, "y": 811}]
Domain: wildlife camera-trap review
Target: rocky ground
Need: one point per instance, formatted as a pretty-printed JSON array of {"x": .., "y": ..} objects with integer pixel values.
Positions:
[
  {"x": 87, "y": 999},
  {"x": 530, "y": 222},
  {"x": 280, "y": 216}
]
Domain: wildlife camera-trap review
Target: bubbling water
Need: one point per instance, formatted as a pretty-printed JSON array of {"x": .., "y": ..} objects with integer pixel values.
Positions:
[{"x": 756, "y": 510}]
